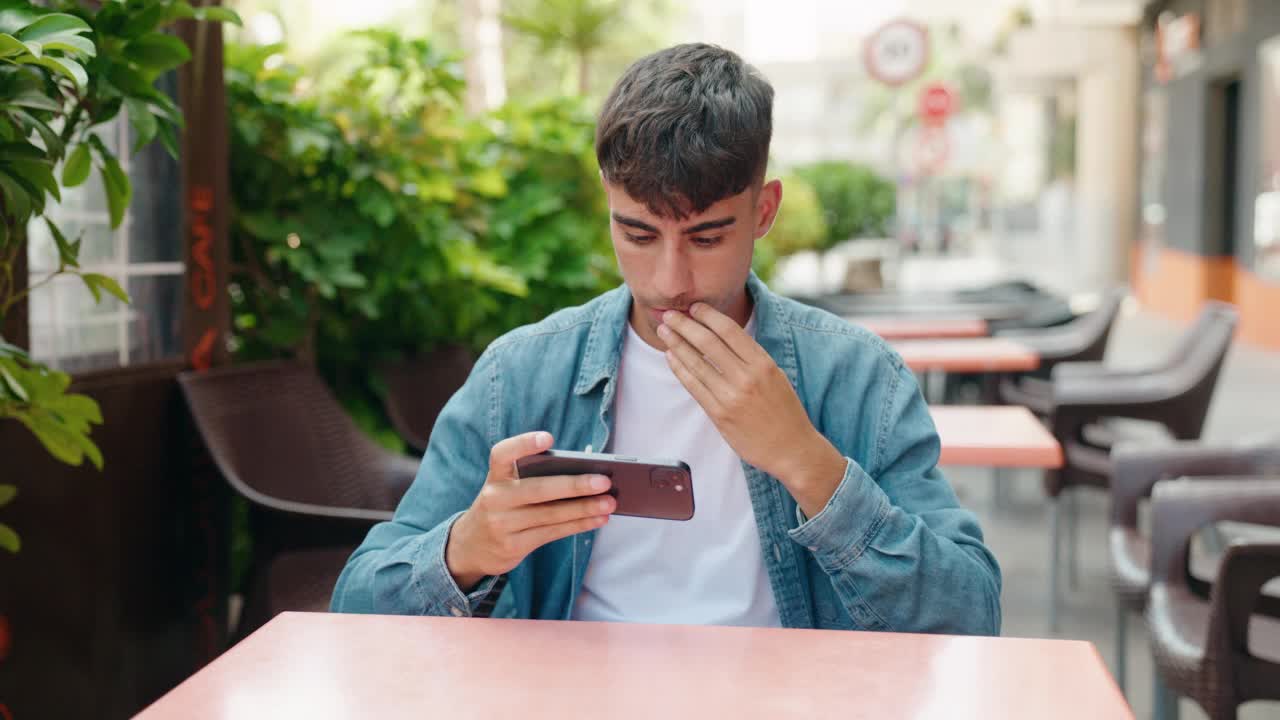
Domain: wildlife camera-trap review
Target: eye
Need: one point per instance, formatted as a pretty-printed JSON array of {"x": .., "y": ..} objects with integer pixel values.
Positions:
[
  {"x": 639, "y": 239},
  {"x": 707, "y": 242}
]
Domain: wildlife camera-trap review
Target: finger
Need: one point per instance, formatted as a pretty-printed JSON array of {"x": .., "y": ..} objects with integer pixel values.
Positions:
[
  {"x": 730, "y": 332},
  {"x": 696, "y": 388},
  {"x": 534, "y": 538},
  {"x": 559, "y": 512},
  {"x": 537, "y": 490},
  {"x": 503, "y": 456},
  {"x": 707, "y": 342},
  {"x": 711, "y": 377}
]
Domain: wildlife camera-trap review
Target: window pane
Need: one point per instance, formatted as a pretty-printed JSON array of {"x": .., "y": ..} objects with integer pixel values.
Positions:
[
  {"x": 155, "y": 327},
  {"x": 70, "y": 331},
  {"x": 97, "y": 246}
]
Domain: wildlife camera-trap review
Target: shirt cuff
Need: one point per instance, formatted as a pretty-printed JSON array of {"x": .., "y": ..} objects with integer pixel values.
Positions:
[
  {"x": 436, "y": 585},
  {"x": 846, "y": 525}
]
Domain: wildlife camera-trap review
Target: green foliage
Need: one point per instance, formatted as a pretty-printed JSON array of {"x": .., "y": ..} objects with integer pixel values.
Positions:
[
  {"x": 800, "y": 224},
  {"x": 581, "y": 27},
  {"x": 856, "y": 202},
  {"x": 8, "y": 538},
  {"x": 373, "y": 219},
  {"x": 65, "y": 68}
]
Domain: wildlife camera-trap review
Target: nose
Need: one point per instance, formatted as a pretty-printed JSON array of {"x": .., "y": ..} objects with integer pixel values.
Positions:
[{"x": 673, "y": 275}]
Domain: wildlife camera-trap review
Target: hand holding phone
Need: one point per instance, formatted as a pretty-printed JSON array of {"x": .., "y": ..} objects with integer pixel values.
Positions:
[
  {"x": 511, "y": 517},
  {"x": 644, "y": 487}
]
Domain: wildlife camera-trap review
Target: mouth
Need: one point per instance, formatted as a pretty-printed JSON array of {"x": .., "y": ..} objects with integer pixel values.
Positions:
[{"x": 657, "y": 313}]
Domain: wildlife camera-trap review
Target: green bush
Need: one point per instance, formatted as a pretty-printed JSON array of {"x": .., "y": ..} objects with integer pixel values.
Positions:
[
  {"x": 856, "y": 201},
  {"x": 800, "y": 224},
  {"x": 375, "y": 220}
]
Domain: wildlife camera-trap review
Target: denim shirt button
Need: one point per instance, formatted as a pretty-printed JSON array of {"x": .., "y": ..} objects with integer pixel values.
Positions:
[
  {"x": 457, "y": 611},
  {"x": 813, "y": 548},
  {"x": 777, "y": 552}
]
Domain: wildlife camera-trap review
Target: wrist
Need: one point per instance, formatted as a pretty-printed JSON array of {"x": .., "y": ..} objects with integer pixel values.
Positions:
[
  {"x": 816, "y": 472},
  {"x": 456, "y": 562}
]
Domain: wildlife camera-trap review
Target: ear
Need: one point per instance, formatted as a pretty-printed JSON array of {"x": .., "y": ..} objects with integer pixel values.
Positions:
[{"x": 767, "y": 204}]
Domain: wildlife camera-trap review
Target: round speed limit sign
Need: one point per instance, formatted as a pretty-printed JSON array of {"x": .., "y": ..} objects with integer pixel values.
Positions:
[{"x": 898, "y": 52}]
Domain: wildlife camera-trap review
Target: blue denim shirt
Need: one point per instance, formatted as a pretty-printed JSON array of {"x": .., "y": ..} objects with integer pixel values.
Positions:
[{"x": 892, "y": 549}]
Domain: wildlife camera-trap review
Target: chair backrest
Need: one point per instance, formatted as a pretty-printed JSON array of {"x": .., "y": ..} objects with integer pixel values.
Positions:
[
  {"x": 418, "y": 388},
  {"x": 277, "y": 433},
  {"x": 1092, "y": 331},
  {"x": 1194, "y": 366}
]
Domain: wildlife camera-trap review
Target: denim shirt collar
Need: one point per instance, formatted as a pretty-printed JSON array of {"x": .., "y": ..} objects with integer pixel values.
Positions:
[{"x": 604, "y": 341}]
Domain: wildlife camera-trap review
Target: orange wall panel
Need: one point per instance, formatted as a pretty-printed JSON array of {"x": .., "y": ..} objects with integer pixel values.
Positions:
[{"x": 1175, "y": 283}]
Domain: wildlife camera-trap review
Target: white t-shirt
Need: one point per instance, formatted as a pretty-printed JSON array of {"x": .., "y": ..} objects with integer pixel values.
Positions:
[{"x": 705, "y": 571}]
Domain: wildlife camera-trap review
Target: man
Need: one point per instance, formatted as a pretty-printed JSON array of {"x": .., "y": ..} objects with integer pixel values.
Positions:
[{"x": 813, "y": 454}]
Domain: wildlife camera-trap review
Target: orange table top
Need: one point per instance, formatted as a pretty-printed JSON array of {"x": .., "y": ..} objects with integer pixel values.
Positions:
[
  {"x": 968, "y": 355},
  {"x": 994, "y": 436},
  {"x": 319, "y": 666},
  {"x": 907, "y": 327}
]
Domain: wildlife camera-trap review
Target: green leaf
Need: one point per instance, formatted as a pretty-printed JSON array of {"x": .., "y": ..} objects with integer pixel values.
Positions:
[
  {"x": 12, "y": 350},
  {"x": 52, "y": 142},
  {"x": 11, "y": 47},
  {"x": 179, "y": 10},
  {"x": 7, "y": 494},
  {"x": 76, "y": 169},
  {"x": 114, "y": 181},
  {"x": 15, "y": 15},
  {"x": 143, "y": 122},
  {"x": 96, "y": 282},
  {"x": 168, "y": 139},
  {"x": 66, "y": 66},
  {"x": 129, "y": 81},
  {"x": 77, "y": 410},
  {"x": 68, "y": 253},
  {"x": 17, "y": 199},
  {"x": 144, "y": 22},
  {"x": 35, "y": 100},
  {"x": 35, "y": 48},
  {"x": 157, "y": 51},
  {"x": 219, "y": 14},
  {"x": 74, "y": 44},
  {"x": 9, "y": 539},
  {"x": 62, "y": 442},
  {"x": 118, "y": 191},
  {"x": 11, "y": 382},
  {"x": 37, "y": 172},
  {"x": 21, "y": 150},
  {"x": 53, "y": 24}
]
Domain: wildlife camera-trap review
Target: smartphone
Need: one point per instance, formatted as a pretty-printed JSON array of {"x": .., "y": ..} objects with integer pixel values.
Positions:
[{"x": 644, "y": 487}]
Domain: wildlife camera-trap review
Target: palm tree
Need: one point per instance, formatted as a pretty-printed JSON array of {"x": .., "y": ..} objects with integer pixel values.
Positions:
[{"x": 581, "y": 27}]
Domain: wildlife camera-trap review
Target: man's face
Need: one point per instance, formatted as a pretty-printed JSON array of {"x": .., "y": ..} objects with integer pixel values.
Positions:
[{"x": 670, "y": 264}]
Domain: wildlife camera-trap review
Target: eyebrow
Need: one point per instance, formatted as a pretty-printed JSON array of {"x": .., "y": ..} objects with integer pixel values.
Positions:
[{"x": 700, "y": 227}]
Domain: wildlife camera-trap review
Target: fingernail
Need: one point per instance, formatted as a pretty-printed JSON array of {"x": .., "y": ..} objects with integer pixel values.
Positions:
[
  {"x": 542, "y": 439},
  {"x": 669, "y": 315},
  {"x": 599, "y": 482},
  {"x": 663, "y": 330},
  {"x": 603, "y": 505}
]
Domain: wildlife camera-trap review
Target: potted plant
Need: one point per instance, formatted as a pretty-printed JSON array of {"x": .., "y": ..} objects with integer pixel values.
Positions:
[{"x": 67, "y": 68}]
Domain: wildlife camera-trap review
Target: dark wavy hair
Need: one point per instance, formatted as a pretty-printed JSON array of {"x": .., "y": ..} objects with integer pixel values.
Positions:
[{"x": 686, "y": 127}]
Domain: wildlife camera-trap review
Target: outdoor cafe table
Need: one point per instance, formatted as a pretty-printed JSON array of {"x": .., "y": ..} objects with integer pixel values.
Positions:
[
  {"x": 994, "y": 436},
  {"x": 973, "y": 355},
  {"x": 907, "y": 327},
  {"x": 320, "y": 666}
]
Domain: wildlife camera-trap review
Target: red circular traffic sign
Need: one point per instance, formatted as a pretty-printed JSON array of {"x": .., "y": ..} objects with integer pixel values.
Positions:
[
  {"x": 937, "y": 102},
  {"x": 897, "y": 52}
]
